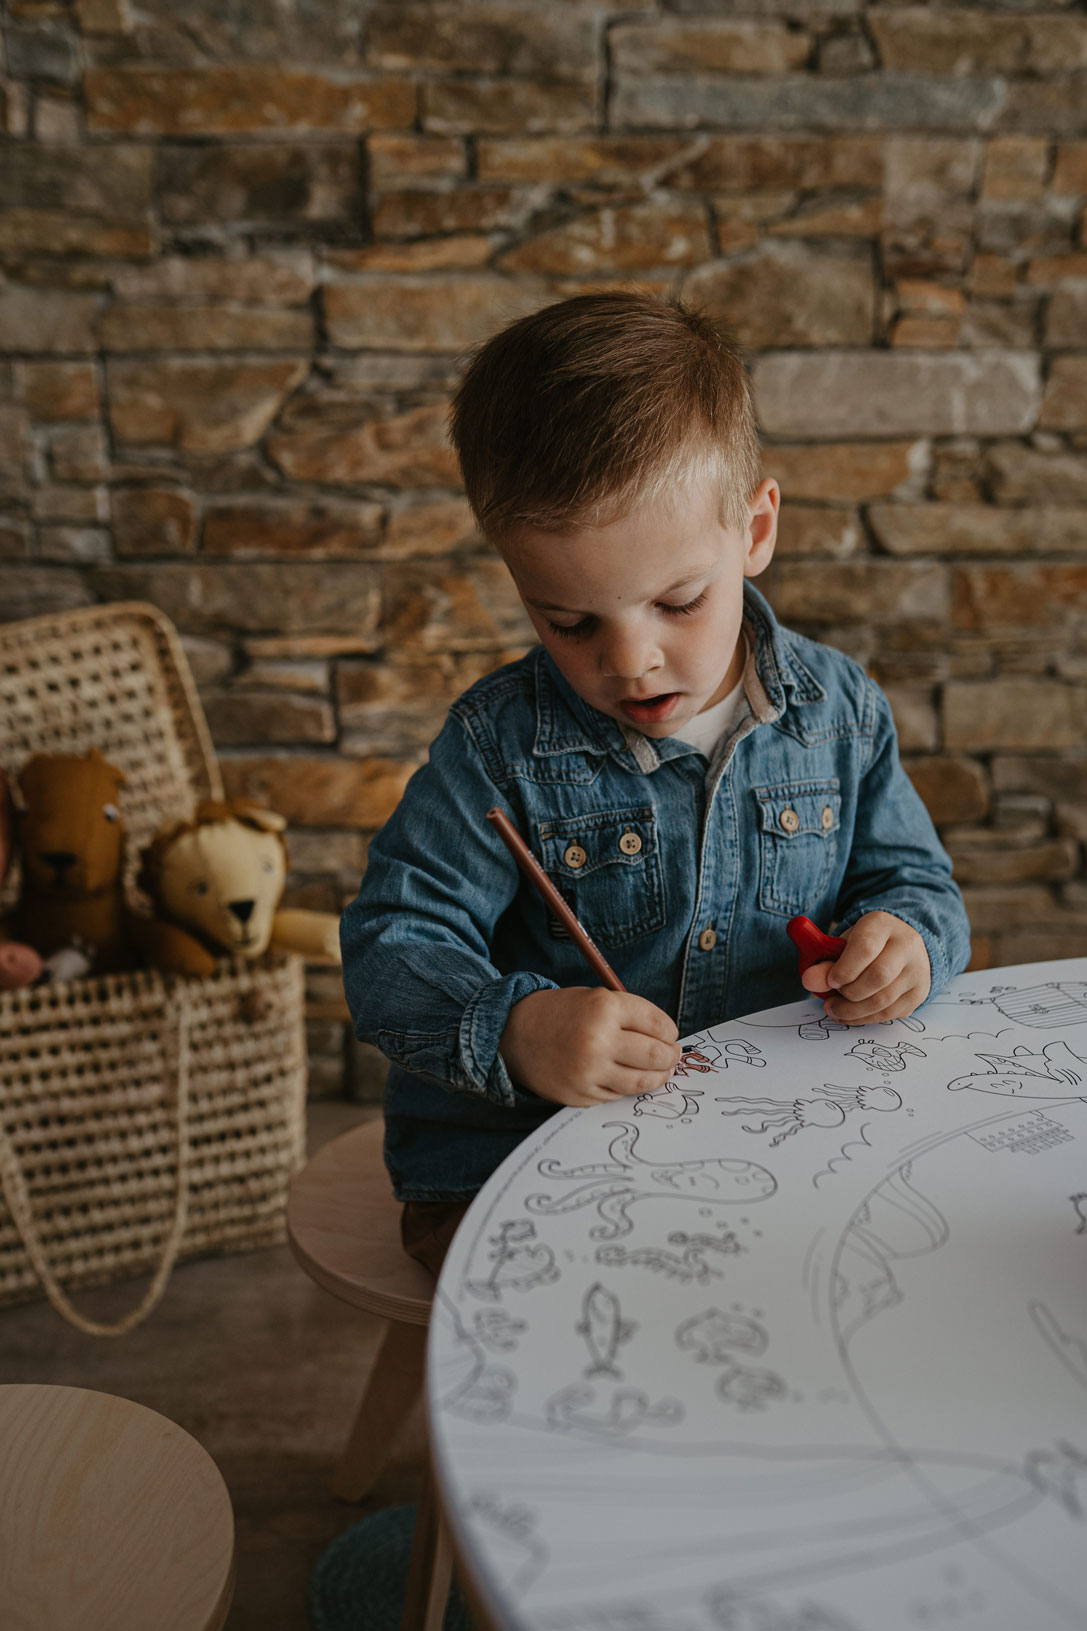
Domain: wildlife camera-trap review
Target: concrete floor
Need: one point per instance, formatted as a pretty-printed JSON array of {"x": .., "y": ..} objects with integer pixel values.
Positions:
[{"x": 265, "y": 1370}]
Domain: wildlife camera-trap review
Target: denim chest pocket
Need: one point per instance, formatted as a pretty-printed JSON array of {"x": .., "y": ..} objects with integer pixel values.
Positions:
[
  {"x": 607, "y": 867},
  {"x": 799, "y": 823}
]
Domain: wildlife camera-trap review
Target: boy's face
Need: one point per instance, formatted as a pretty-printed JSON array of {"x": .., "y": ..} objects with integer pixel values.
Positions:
[{"x": 643, "y": 616}]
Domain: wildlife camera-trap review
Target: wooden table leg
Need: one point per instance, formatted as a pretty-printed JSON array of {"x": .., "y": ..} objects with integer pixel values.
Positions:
[
  {"x": 395, "y": 1384},
  {"x": 430, "y": 1571}
]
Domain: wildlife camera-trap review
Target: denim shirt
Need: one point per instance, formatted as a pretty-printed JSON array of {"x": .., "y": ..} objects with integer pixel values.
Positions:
[{"x": 804, "y": 808}]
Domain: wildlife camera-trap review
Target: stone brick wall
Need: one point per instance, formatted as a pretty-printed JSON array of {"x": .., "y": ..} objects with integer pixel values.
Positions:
[{"x": 242, "y": 246}]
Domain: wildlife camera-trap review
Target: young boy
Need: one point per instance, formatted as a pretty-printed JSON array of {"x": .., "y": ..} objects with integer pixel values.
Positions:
[{"x": 689, "y": 773}]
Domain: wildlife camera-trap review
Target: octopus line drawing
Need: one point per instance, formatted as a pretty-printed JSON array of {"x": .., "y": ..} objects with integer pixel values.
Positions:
[
  {"x": 627, "y": 1409},
  {"x": 613, "y": 1186},
  {"x": 604, "y": 1330},
  {"x": 689, "y": 1267},
  {"x": 515, "y": 1262},
  {"x": 519, "y": 1551},
  {"x": 1026, "y": 1075},
  {"x": 829, "y": 1109}
]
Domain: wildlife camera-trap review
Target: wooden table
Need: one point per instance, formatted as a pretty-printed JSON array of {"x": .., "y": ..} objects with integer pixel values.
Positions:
[
  {"x": 111, "y": 1517},
  {"x": 797, "y": 1343}
]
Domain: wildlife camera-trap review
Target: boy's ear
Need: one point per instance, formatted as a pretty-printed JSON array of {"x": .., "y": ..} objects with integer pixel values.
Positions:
[{"x": 762, "y": 528}]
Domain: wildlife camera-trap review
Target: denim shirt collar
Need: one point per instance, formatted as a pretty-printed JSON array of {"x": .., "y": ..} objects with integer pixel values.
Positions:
[{"x": 773, "y": 679}]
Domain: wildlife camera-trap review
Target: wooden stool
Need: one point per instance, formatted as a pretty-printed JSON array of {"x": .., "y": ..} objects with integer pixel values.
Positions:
[
  {"x": 343, "y": 1225},
  {"x": 111, "y": 1517}
]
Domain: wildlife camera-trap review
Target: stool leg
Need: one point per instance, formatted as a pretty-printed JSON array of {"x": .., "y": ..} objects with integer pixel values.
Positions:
[
  {"x": 430, "y": 1571},
  {"x": 396, "y": 1382}
]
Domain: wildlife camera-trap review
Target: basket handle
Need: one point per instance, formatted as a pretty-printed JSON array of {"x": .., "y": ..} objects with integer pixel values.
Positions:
[{"x": 17, "y": 1197}]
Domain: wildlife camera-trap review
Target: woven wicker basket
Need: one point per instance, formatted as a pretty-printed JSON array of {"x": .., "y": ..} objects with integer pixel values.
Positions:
[{"x": 142, "y": 1117}]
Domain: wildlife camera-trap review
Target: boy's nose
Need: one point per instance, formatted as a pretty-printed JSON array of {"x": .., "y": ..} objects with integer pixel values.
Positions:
[{"x": 629, "y": 658}]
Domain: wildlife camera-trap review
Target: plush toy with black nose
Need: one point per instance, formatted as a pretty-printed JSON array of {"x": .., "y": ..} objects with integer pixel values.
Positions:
[
  {"x": 215, "y": 884},
  {"x": 70, "y": 838}
]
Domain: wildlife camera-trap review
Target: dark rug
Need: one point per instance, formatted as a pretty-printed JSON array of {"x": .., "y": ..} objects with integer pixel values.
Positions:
[{"x": 358, "y": 1581}]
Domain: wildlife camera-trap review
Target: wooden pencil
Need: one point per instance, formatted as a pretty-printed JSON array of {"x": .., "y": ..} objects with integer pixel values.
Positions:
[{"x": 536, "y": 875}]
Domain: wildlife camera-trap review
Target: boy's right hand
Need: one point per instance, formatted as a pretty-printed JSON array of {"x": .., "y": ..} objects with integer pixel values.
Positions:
[{"x": 587, "y": 1045}]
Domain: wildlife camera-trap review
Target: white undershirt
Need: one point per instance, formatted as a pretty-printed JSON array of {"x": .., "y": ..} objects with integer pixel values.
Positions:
[{"x": 706, "y": 729}]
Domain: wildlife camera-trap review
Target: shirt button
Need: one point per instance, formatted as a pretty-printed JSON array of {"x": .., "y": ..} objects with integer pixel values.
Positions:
[
  {"x": 827, "y": 818},
  {"x": 574, "y": 855},
  {"x": 789, "y": 820},
  {"x": 707, "y": 940},
  {"x": 630, "y": 843}
]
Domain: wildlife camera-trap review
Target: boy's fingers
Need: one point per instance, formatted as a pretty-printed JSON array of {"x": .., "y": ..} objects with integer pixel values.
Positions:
[
  {"x": 880, "y": 973},
  {"x": 864, "y": 942},
  {"x": 628, "y": 1082},
  {"x": 814, "y": 979},
  {"x": 867, "y": 1010},
  {"x": 645, "y": 1017},
  {"x": 638, "y": 1052}
]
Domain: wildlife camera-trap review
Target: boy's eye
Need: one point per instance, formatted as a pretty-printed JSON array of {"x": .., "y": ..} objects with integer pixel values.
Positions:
[
  {"x": 573, "y": 631},
  {"x": 686, "y": 609}
]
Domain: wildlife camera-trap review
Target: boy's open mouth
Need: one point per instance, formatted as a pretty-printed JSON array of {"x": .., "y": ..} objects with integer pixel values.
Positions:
[{"x": 650, "y": 710}]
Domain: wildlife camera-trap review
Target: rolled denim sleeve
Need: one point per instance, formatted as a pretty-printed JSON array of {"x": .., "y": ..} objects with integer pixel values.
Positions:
[
  {"x": 897, "y": 863},
  {"x": 416, "y": 940}
]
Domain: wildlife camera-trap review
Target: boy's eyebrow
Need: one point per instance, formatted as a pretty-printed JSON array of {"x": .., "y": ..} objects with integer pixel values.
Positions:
[{"x": 688, "y": 577}]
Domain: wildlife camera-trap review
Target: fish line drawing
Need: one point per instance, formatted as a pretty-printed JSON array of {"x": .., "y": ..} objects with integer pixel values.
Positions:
[
  {"x": 1054, "y": 1073},
  {"x": 886, "y": 1056},
  {"x": 1070, "y": 1350},
  {"x": 669, "y": 1102},
  {"x": 688, "y": 1267},
  {"x": 714, "y": 1338},
  {"x": 828, "y": 1109},
  {"x": 516, "y": 1261},
  {"x": 604, "y": 1330},
  {"x": 1062, "y": 1473},
  {"x": 627, "y": 1409},
  {"x": 1079, "y": 1207},
  {"x": 615, "y": 1185}
]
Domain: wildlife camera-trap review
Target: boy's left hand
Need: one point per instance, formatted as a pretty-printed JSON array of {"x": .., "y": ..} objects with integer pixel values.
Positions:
[{"x": 883, "y": 973}]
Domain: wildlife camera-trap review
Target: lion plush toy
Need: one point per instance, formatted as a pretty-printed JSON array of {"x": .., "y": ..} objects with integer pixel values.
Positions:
[
  {"x": 215, "y": 884},
  {"x": 70, "y": 838}
]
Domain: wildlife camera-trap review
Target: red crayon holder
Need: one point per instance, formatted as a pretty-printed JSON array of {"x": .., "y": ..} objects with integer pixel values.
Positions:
[{"x": 812, "y": 945}]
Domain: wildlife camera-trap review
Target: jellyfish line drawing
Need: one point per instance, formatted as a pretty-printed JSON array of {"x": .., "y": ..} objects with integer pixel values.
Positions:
[
  {"x": 829, "y": 1109},
  {"x": 614, "y": 1186}
]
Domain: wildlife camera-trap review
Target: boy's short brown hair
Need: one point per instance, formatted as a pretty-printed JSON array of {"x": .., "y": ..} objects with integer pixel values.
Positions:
[{"x": 572, "y": 415}]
